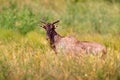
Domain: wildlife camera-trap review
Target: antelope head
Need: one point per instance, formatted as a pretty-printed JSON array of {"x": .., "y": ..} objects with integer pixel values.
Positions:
[{"x": 49, "y": 28}]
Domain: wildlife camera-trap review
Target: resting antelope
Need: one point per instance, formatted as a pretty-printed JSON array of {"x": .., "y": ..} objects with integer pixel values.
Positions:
[{"x": 69, "y": 44}]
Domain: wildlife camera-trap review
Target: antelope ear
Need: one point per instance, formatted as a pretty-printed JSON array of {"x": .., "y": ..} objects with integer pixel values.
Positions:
[
  {"x": 53, "y": 26},
  {"x": 56, "y": 27},
  {"x": 42, "y": 26}
]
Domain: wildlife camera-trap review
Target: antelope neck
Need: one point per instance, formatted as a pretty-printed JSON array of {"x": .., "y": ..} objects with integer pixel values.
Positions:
[{"x": 54, "y": 37}]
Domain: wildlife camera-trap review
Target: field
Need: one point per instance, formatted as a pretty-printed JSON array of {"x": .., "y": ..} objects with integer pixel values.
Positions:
[{"x": 25, "y": 53}]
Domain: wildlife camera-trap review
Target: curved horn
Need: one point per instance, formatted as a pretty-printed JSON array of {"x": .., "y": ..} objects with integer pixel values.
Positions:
[
  {"x": 55, "y": 21},
  {"x": 41, "y": 20}
]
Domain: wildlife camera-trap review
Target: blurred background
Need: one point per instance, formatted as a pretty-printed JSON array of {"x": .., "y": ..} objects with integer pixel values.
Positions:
[
  {"x": 25, "y": 53},
  {"x": 81, "y": 16}
]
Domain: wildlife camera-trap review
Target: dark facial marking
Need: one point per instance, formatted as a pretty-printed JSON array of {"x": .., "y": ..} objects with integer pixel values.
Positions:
[{"x": 49, "y": 30}]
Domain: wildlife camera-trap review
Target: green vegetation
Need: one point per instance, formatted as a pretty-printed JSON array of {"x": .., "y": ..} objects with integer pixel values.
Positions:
[{"x": 25, "y": 54}]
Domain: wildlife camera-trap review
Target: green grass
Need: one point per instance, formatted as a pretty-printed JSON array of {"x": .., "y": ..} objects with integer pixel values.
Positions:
[{"x": 26, "y": 55}]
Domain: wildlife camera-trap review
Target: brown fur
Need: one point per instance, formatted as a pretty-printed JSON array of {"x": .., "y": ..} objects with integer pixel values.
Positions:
[{"x": 69, "y": 44}]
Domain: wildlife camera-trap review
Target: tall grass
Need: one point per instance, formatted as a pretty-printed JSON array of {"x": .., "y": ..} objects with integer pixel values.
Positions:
[
  {"x": 30, "y": 57},
  {"x": 25, "y": 54}
]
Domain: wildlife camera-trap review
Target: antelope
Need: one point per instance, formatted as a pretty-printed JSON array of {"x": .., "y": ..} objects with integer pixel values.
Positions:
[{"x": 69, "y": 44}]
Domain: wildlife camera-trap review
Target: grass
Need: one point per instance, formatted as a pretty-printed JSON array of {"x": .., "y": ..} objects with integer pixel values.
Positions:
[
  {"x": 30, "y": 57},
  {"x": 26, "y": 55}
]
